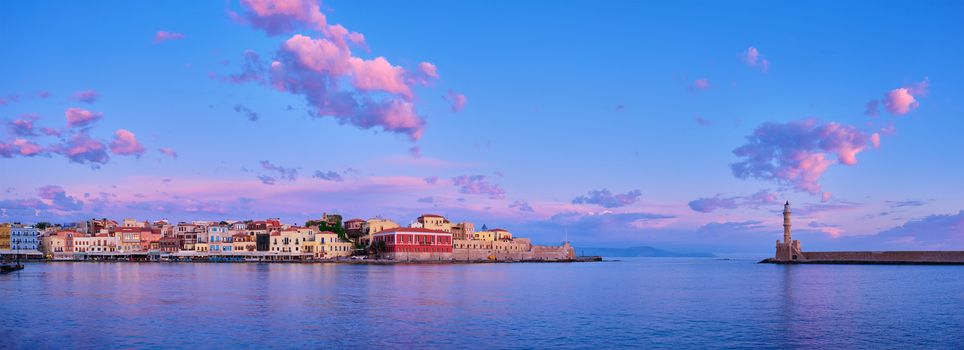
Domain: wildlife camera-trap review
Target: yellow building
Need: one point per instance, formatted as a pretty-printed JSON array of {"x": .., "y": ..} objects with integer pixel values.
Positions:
[
  {"x": 435, "y": 222},
  {"x": 493, "y": 235},
  {"x": 329, "y": 246},
  {"x": 463, "y": 230},
  {"x": 55, "y": 247},
  {"x": 5, "y": 236},
  {"x": 287, "y": 241},
  {"x": 376, "y": 225},
  {"x": 241, "y": 242}
]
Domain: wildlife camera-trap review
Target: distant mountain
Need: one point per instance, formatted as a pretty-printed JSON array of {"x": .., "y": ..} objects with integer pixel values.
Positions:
[{"x": 641, "y": 251}]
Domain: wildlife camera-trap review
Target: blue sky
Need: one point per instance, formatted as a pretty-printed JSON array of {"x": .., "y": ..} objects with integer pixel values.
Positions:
[{"x": 562, "y": 100}]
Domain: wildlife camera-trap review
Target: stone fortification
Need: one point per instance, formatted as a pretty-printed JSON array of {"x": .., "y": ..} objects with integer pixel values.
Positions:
[{"x": 518, "y": 249}]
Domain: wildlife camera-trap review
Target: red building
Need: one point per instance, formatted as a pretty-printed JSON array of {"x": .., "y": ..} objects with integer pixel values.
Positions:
[{"x": 410, "y": 243}]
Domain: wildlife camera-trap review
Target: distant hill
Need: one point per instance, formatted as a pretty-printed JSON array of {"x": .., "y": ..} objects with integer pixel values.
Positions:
[{"x": 641, "y": 251}]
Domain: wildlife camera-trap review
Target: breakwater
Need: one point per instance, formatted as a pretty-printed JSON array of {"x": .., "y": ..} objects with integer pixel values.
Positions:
[{"x": 876, "y": 257}]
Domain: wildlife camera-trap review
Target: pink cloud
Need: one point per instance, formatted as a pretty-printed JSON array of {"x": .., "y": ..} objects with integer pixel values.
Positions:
[
  {"x": 875, "y": 140},
  {"x": 901, "y": 100},
  {"x": 428, "y": 69},
  {"x": 379, "y": 75},
  {"x": 825, "y": 196},
  {"x": 756, "y": 200},
  {"x": 367, "y": 93},
  {"x": 700, "y": 84},
  {"x": 752, "y": 57},
  {"x": 162, "y": 36},
  {"x": 125, "y": 144},
  {"x": 168, "y": 152},
  {"x": 281, "y": 16},
  {"x": 313, "y": 67},
  {"x": 607, "y": 199},
  {"x": 77, "y": 117},
  {"x": 290, "y": 174},
  {"x": 59, "y": 199},
  {"x": 43, "y": 94},
  {"x": 23, "y": 127},
  {"x": 794, "y": 153},
  {"x": 457, "y": 100},
  {"x": 86, "y": 96},
  {"x": 50, "y": 131},
  {"x": 80, "y": 148},
  {"x": 27, "y": 148},
  {"x": 424, "y": 75},
  {"x": 478, "y": 184}
]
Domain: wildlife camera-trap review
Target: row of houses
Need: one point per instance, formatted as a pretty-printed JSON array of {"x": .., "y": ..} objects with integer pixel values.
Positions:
[{"x": 429, "y": 237}]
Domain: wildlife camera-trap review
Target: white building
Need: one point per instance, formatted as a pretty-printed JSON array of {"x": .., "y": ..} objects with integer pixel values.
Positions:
[{"x": 24, "y": 238}]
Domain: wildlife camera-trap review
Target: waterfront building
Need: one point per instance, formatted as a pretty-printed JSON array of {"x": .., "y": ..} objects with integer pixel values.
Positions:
[
  {"x": 150, "y": 239},
  {"x": 129, "y": 238},
  {"x": 219, "y": 239},
  {"x": 374, "y": 225},
  {"x": 329, "y": 246},
  {"x": 434, "y": 222},
  {"x": 55, "y": 247},
  {"x": 463, "y": 230},
  {"x": 68, "y": 236},
  {"x": 4, "y": 236},
  {"x": 497, "y": 234},
  {"x": 83, "y": 243},
  {"x": 102, "y": 243},
  {"x": 354, "y": 224},
  {"x": 287, "y": 241},
  {"x": 242, "y": 242},
  {"x": 133, "y": 223},
  {"x": 24, "y": 238},
  {"x": 262, "y": 242},
  {"x": 169, "y": 244},
  {"x": 408, "y": 243},
  {"x": 97, "y": 226}
]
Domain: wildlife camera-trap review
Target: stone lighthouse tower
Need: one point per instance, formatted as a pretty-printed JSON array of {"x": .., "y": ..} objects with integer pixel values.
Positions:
[
  {"x": 786, "y": 223},
  {"x": 789, "y": 249}
]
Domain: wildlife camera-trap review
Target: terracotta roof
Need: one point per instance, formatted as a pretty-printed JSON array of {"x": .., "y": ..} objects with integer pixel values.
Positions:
[
  {"x": 431, "y": 215},
  {"x": 498, "y": 229}
]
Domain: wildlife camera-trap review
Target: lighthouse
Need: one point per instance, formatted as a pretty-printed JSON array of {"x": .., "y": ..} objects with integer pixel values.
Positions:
[
  {"x": 788, "y": 251},
  {"x": 786, "y": 223}
]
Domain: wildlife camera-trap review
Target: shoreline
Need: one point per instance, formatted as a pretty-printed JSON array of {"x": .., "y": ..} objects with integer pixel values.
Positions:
[
  {"x": 334, "y": 261},
  {"x": 858, "y": 262}
]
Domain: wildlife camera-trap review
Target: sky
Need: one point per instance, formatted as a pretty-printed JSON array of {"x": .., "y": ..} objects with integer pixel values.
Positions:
[{"x": 684, "y": 125}]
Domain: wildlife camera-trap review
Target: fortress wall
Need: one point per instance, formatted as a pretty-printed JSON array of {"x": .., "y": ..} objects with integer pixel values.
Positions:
[
  {"x": 887, "y": 257},
  {"x": 535, "y": 252}
]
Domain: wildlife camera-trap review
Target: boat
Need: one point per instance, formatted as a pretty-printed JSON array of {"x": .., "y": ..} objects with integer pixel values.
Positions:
[{"x": 5, "y": 269}]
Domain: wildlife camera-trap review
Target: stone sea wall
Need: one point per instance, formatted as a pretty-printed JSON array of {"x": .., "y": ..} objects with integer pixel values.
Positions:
[
  {"x": 529, "y": 252},
  {"x": 886, "y": 257}
]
